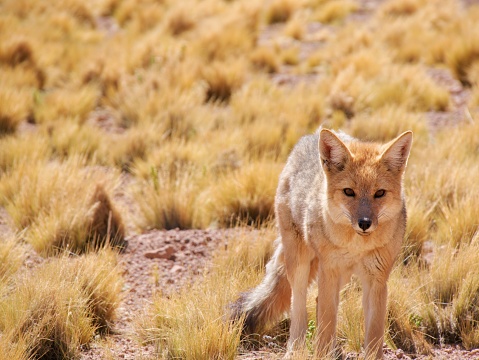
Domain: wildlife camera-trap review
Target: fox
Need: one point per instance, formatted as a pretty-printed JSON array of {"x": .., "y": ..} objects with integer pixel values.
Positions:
[{"x": 340, "y": 210}]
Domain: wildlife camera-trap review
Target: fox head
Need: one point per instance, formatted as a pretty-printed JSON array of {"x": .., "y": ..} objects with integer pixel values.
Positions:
[{"x": 364, "y": 180}]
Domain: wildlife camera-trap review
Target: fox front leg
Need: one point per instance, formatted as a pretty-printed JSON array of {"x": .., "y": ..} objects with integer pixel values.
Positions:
[
  {"x": 374, "y": 304},
  {"x": 326, "y": 311}
]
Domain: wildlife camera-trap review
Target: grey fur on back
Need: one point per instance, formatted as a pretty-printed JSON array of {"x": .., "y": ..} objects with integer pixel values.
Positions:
[{"x": 299, "y": 182}]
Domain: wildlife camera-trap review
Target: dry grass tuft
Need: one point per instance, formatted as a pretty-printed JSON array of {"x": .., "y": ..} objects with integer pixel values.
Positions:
[
  {"x": 20, "y": 150},
  {"x": 41, "y": 203},
  {"x": 387, "y": 123},
  {"x": 59, "y": 308},
  {"x": 15, "y": 107},
  {"x": 245, "y": 196},
  {"x": 222, "y": 80},
  {"x": 266, "y": 59},
  {"x": 335, "y": 11},
  {"x": 180, "y": 20},
  {"x": 66, "y": 103},
  {"x": 280, "y": 11},
  {"x": 463, "y": 55},
  {"x": 402, "y": 8},
  {"x": 17, "y": 51},
  {"x": 167, "y": 200},
  {"x": 11, "y": 258}
]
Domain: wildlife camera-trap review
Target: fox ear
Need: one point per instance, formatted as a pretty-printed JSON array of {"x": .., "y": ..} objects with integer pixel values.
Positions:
[
  {"x": 334, "y": 154},
  {"x": 397, "y": 152}
]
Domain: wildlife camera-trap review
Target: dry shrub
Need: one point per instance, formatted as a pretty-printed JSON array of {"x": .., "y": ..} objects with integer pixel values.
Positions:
[
  {"x": 463, "y": 54},
  {"x": 333, "y": 11},
  {"x": 458, "y": 222},
  {"x": 16, "y": 52},
  {"x": 264, "y": 142},
  {"x": 409, "y": 87},
  {"x": 451, "y": 290},
  {"x": 59, "y": 308},
  {"x": 351, "y": 317},
  {"x": 473, "y": 102},
  {"x": 173, "y": 158},
  {"x": 180, "y": 20},
  {"x": 244, "y": 196},
  {"x": 419, "y": 226},
  {"x": 266, "y": 59},
  {"x": 66, "y": 103},
  {"x": 369, "y": 77},
  {"x": 404, "y": 318},
  {"x": 290, "y": 56},
  {"x": 387, "y": 123},
  {"x": 222, "y": 80},
  {"x": 167, "y": 200},
  {"x": 22, "y": 78},
  {"x": 218, "y": 44},
  {"x": 132, "y": 146},
  {"x": 23, "y": 149},
  {"x": 15, "y": 107},
  {"x": 295, "y": 28},
  {"x": 11, "y": 257},
  {"x": 402, "y": 7},
  {"x": 62, "y": 206},
  {"x": 280, "y": 11},
  {"x": 74, "y": 139}
]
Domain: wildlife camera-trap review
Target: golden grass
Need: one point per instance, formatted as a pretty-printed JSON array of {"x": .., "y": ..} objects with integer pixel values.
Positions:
[
  {"x": 265, "y": 58},
  {"x": 335, "y": 11},
  {"x": 61, "y": 104},
  {"x": 280, "y": 11},
  {"x": 384, "y": 124},
  {"x": 222, "y": 80},
  {"x": 38, "y": 200},
  {"x": 246, "y": 196},
  {"x": 167, "y": 200},
  {"x": 199, "y": 118},
  {"x": 15, "y": 107},
  {"x": 11, "y": 258},
  {"x": 21, "y": 150},
  {"x": 60, "y": 308}
]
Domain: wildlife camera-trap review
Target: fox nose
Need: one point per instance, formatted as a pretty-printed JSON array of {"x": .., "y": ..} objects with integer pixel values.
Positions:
[{"x": 364, "y": 223}]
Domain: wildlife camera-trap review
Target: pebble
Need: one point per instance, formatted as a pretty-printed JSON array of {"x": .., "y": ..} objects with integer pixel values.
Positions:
[
  {"x": 176, "y": 269},
  {"x": 165, "y": 252}
]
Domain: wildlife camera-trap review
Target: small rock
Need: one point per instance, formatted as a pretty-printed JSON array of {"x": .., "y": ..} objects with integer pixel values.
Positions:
[
  {"x": 198, "y": 242},
  {"x": 399, "y": 354},
  {"x": 176, "y": 269},
  {"x": 165, "y": 252},
  {"x": 475, "y": 352},
  {"x": 199, "y": 251}
]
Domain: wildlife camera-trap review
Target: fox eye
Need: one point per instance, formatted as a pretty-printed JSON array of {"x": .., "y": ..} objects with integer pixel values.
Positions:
[
  {"x": 349, "y": 192},
  {"x": 379, "y": 193}
]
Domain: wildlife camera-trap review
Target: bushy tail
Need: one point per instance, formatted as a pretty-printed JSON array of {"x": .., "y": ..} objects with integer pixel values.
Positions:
[{"x": 269, "y": 300}]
